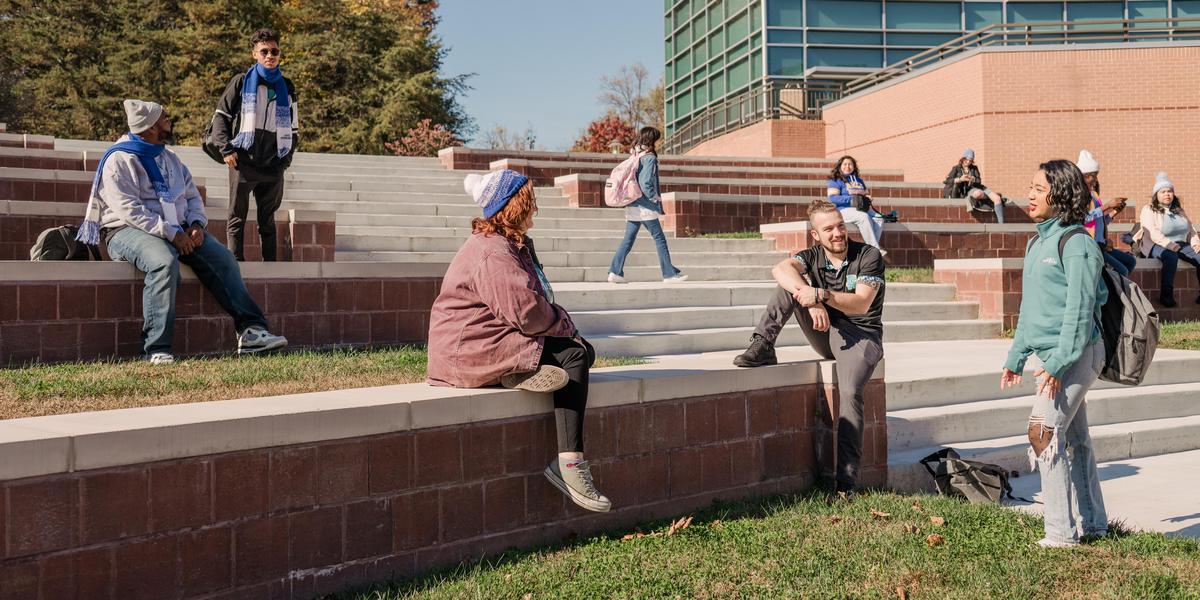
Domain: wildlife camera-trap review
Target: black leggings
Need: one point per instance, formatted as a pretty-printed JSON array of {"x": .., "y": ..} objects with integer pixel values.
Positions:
[{"x": 569, "y": 403}]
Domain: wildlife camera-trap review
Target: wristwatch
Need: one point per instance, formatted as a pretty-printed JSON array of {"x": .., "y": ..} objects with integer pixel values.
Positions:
[{"x": 822, "y": 295}]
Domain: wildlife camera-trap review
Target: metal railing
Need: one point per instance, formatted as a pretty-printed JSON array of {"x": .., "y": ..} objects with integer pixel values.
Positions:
[
  {"x": 803, "y": 100},
  {"x": 774, "y": 100},
  {"x": 1039, "y": 33}
]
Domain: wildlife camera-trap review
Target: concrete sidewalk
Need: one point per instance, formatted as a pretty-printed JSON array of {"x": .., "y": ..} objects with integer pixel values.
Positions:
[{"x": 1156, "y": 493}]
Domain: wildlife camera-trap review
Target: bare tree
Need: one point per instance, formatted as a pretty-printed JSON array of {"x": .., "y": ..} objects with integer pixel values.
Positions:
[
  {"x": 625, "y": 93},
  {"x": 500, "y": 138},
  {"x": 654, "y": 105}
]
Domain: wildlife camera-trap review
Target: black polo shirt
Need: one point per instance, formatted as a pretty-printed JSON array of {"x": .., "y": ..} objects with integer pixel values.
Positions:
[{"x": 863, "y": 266}]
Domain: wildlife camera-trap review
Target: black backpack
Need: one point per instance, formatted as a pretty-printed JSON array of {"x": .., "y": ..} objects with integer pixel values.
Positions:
[
  {"x": 59, "y": 243},
  {"x": 206, "y": 142}
]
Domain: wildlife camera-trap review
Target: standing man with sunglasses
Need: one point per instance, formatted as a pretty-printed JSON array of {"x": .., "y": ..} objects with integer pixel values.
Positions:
[{"x": 257, "y": 130}]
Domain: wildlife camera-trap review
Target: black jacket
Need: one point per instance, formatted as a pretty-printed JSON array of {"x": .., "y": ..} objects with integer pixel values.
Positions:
[
  {"x": 260, "y": 161},
  {"x": 959, "y": 189}
]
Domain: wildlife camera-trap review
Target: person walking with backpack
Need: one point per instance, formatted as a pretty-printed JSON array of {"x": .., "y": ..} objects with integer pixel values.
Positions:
[
  {"x": 1063, "y": 292},
  {"x": 1168, "y": 235},
  {"x": 144, "y": 206},
  {"x": 848, "y": 192},
  {"x": 645, "y": 212},
  {"x": 262, "y": 104},
  {"x": 495, "y": 321},
  {"x": 964, "y": 182},
  {"x": 1102, "y": 214}
]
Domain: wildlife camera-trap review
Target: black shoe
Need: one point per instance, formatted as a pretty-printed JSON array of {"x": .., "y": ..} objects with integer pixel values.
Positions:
[
  {"x": 1167, "y": 299},
  {"x": 760, "y": 353}
]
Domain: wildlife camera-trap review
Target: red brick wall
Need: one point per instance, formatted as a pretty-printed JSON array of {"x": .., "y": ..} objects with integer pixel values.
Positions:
[
  {"x": 45, "y": 190},
  {"x": 998, "y": 291},
  {"x": 1103, "y": 99},
  {"x": 546, "y": 173},
  {"x": 88, "y": 320},
  {"x": 920, "y": 248},
  {"x": 777, "y": 137},
  {"x": 478, "y": 158},
  {"x": 307, "y": 520}
]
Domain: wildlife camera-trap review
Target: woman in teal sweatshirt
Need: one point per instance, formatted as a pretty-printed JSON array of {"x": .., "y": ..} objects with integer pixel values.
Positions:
[{"x": 1060, "y": 304}]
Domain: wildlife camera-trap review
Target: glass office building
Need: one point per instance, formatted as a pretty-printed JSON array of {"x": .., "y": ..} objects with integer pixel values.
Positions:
[{"x": 720, "y": 49}]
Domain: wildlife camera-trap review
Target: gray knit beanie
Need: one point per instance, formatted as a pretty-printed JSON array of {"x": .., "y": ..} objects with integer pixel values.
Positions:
[{"x": 142, "y": 115}]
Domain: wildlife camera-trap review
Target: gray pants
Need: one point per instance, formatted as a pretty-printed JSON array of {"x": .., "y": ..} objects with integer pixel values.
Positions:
[{"x": 856, "y": 351}]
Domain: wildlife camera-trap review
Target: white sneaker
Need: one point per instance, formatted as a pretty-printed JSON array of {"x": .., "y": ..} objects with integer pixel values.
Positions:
[
  {"x": 161, "y": 358},
  {"x": 882, "y": 252},
  {"x": 574, "y": 478},
  {"x": 678, "y": 278},
  {"x": 257, "y": 339},
  {"x": 614, "y": 278}
]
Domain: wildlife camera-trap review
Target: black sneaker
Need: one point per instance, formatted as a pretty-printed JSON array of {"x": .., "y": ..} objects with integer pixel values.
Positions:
[
  {"x": 760, "y": 353},
  {"x": 1167, "y": 301}
]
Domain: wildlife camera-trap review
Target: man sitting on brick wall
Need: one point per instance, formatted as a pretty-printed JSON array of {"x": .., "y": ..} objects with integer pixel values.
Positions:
[
  {"x": 835, "y": 290},
  {"x": 145, "y": 207}
]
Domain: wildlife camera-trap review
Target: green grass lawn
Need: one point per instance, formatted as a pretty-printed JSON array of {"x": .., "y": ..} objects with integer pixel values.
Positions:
[
  {"x": 908, "y": 275},
  {"x": 76, "y": 387},
  {"x": 801, "y": 547},
  {"x": 1184, "y": 335}
]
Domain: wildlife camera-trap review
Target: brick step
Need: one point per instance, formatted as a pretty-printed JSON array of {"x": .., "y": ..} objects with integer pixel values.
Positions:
[
  {"x": 477, "y": 158},
  {"x": 597, "y": 260},
  {"x": 544, "y": 172}
]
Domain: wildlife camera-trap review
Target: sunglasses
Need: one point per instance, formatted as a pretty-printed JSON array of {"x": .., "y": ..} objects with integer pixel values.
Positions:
[{"x": 269, "y": 52}]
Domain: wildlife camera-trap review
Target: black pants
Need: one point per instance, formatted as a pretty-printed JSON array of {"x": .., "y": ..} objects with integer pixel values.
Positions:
[
  {"x": 856, "y": 352},
  {"x": 268, "y": 195},
  {"x": 569, "y": 402}
]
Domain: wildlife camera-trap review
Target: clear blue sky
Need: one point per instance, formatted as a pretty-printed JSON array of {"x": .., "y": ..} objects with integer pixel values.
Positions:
[{"x": 539, "y": 62}]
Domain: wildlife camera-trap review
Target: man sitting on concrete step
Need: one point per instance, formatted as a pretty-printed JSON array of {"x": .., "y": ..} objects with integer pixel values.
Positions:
[
  {"x": 835, "y": 290},
  {"x": 145, "y": 207}
]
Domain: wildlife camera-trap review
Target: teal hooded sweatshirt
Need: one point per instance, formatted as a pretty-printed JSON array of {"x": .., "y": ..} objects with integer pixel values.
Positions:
[{"x": 1060, "y": 303}]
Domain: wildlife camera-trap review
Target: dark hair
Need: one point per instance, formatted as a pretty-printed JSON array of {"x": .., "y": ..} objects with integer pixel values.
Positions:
[
  {"x": 1157, "y": 206},
  {"x": 836, "y": 172},
  {"x": 1093, "y": 181},
  {"x": 266, "y": 34},
  {"x": 1068, "y": 192},
  {"x": 648, "y": 137}
]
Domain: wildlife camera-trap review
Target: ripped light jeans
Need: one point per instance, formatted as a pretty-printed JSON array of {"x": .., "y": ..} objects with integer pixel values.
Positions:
[{"x": 1058, "y": 428}]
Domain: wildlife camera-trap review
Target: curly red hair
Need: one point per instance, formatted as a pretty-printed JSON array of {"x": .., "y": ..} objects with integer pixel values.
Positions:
[{"x": 510, "y": 221}]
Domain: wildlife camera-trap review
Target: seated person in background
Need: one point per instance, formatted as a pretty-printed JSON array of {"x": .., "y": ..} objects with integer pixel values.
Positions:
[
  {"x": 1169, "y": 236},
  {"x": 495, "y": 322},
  {"x": 145, "y": 207},
  {"x": 847, "y": 191},
  {"x": 964, "y": 182},
  {"x": 1102, "y": 214}
]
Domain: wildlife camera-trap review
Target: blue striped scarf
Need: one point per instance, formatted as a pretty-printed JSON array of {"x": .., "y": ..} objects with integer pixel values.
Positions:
[{"x": 89, "y": 232}]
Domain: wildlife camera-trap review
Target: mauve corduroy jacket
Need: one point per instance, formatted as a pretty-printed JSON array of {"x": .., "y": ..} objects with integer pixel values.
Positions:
[{"x": 490, "y": 318}]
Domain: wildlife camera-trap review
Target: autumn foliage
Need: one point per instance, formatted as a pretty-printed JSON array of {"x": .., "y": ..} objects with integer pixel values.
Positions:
[
  {"x": 603, "y": 132},
  {"x": 424, "y": 139}
]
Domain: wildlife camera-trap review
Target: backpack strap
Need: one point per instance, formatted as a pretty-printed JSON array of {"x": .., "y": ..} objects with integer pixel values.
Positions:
[
  {"x": 938, "y": 456},
  {"x": 1066, "y": 237}
]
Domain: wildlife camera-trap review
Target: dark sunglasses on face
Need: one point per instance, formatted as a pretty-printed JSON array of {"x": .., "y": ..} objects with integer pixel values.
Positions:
[{"x": 268, "y": 52}]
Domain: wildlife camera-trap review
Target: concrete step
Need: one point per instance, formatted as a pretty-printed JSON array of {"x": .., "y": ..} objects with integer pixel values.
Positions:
[
  {"x": 654, "y": 273},
  {"x": 464, "y": 230},
  {"x": 634, "y": 319},
  {"x": 549, "y": 244},
  {"x": 606, "y": 296},
  {"x": 402, "y": 220},
  {"x": 1117, "y": 441},
  {"x": 984, "y": 419},
  {"x": 596, "y": 260},
  {"x": 375, "y": 209},
  {"x": 923, "y": 377},
  {"x": 695, "y": 341}
]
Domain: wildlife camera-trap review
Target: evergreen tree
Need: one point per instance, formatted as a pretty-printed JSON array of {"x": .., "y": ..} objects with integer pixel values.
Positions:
[{"x": 367, "y": 71}]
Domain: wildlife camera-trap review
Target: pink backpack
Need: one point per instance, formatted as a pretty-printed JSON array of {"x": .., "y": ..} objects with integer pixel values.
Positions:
[{"x": 621, "y": 188}]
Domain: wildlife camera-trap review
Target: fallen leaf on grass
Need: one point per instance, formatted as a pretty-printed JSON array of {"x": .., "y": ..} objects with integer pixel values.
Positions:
[
  {"x": 527, "y": 597},
  {"x": 628, "y": 536},
  {"x": 901, "y": 593},
  {"x": 934, "y": 540},
  {"x": 917, "y": 505},
  {"x": 834, "y": 519},
  {"x": 937, "y": 521},
  {"x": 716, "y": 523},
  {"x": 880, "y": 515},
  {"x": 679, "y": 525},
  {"x": 909, "y": 527}
]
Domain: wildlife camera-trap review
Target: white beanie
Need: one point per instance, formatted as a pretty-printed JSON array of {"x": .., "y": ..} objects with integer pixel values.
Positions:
[
  {"x": 142, "y": 115},
  {"x": 492, "y": 191},
  {"x": 1161, "y": 182},
  {"x": 1087, "y": 163}
]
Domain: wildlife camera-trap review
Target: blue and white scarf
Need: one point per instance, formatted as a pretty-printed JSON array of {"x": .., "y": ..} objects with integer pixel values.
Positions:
[
  {"x": 283, "y": 110},
  {"x": 89, "y": 232}
]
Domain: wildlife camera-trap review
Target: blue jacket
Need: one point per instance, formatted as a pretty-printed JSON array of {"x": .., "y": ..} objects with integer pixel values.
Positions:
[
  {"x": 647, "y": 176},
  {"x": 846, "y": 191}
]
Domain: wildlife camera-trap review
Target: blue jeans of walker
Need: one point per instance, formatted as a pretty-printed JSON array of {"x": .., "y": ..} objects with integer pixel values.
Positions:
[
  {"x": 213, "y": 264},
  {"x": 1074, "y": 505},
  {"x": 660, "y": 242},
  {"x": 1123, "y": 262}
]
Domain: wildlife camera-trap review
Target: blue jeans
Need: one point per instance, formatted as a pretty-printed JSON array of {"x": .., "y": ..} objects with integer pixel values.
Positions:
[
  {"x": 213, "y": 264},
  {"x": 660, "y": 242},
  {"x": 1123, "y": 262},
  {"x": 1170, "y": 264},
  {"x": 1074, "y": 505}
]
